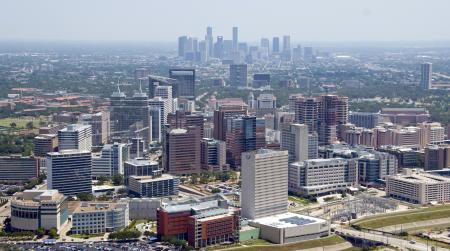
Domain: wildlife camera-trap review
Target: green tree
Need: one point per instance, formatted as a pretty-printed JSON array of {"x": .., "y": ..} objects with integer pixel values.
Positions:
[
  {"x": 40, "y": 232},
  {"x": 53, "y": 233},
  {"x": 13, "y": 125},
  {"x": 29, "y": 125},
  {"x": 215, "y": 190},
  {"x": 102, "y": 179},
  {"x": 118, "y": 179},
  {"x": 85, "y": 196}
]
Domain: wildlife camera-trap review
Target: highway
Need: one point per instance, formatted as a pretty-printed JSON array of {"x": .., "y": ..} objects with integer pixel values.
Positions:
[{"x": 400, "y": 243}]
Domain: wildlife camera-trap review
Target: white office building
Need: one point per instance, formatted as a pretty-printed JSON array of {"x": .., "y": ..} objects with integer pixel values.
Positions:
[
  {"x": 317, "y": 177},
  {"x": 294, "y": 139},
  {"x": 96, "y": 218},
  {"x": 264, "y": 183},
  {"x": 110, "y": 161},
  {"x": 75, "y": 136}
]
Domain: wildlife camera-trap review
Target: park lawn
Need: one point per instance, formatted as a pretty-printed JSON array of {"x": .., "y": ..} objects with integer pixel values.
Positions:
[
  {"x": 406, "y": 217},
  {"x": 133, "y": 224},
  {"x": 20, "y": 122},
  {"x": 299, "y": 200},
  {"x": 256, "y": 246}
]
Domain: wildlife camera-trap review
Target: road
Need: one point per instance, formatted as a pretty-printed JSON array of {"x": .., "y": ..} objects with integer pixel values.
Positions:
[{"x": 400, "y": 243}]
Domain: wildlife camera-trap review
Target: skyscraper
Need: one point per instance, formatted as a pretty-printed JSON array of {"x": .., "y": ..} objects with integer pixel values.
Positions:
[
  {"x": 275, "y": 45},
  {"x": 185, "y": 79},
  {"x": 235, "y": 39},
  {"x": 220, "y": 117},
  {"x": 129, "y": 114},
  {"x": 69, "y": 171},
  {"x": 322, "y": 114},
  {"x": 213, "y": 155},
  {"x": 218, "y": 47},
  {"x": 181, "y": 119},
  {"x": 243, "y": 134},
  {"x": 210, "y": 41},
  {"x": 109, "y": 161},
  {"x": 287, "y": 48},
  {"x": 264, "y": 183},
  {"x": 427, "y": 72},
  {"x": 182, "y": 41},
  {"x": 100, "y": 124},
  {"x": 75, "y": 137},
  {"x": 238, "y": 75},
  {"x": 182, "y": 151}
]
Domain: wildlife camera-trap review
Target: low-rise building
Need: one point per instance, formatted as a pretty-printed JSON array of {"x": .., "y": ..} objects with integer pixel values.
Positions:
[
  {"x": 95, "y": 217},
  {"x": 33, "y": 209},
  {"x": 290, "y": 227},
  {"x": 419, "y": 187},
  {"x": 201, "y": 221},
  {"x": 157, "y": 185},
  {"x": 143, "y": 208}
]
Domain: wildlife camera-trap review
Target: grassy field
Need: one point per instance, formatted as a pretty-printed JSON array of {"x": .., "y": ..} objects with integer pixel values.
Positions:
[
  {"x": 299, "y": 200},
  {"x": 406, "y": 217},
  {"x": 260, "y": 245},
  {"x": 85, "y": 236},
  {"x": 20, "y": 122}
]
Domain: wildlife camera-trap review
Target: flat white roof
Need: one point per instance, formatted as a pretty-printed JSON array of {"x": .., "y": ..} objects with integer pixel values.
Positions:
[{"x": 287, "y": 220}]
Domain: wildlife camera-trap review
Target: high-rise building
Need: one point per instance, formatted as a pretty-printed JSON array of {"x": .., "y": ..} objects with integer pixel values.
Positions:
[
  {"x": 139, "y": 167},
  {"x": 287, "y": 48},
  {"x": 165, "y": 92},
  {"x": 238, "y": 75},
  {"x": 182, "y": 42},
  {"x": 210, "y": 41},
  {"x": 181, "y": 119},
  {"x": 426, "y": 76},
  {"x": 75, "y": 136},
  {"x": 218, "y": 47},
  {"x": 264, "y": 183},
  {"x": 213, "y": 155},
  {"x": 220, "y": 117},
  {"x": 110, "y": 160},
  {"x": 154, "y": 185},
  {"x": 437, "y": 157},
  {"x": 276, "y": 45},
  {"x": 243, "y": 134},
  {"x": 69, "y": 172},
  {"x": 322, "y": 114},
  {"x": 18, "y": 169},
  {"x": 294, "y": 139},
  {"x": 235, "y": 39},
  {"x": 100, "y": 126},
  {"x": 45, "y": 143},
  {"x": 129, "y": 114},
  {"x": 364, "y": 119},
  {"x": 266, "y": 101},
  {"x": 185, "y": 83},
  {"x": 182, "y": 151}
]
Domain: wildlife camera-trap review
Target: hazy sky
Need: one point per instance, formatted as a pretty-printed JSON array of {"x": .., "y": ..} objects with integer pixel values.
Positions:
[{"x": 165, "y": 20}]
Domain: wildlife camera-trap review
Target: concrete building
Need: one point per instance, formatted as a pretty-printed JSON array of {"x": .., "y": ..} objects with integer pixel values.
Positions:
[
  {"x": 416, "y": 186},
  {"x": 182, "y": 151},
  {"x": 294, "y": 139},
  {"x": 224, "y": 112},
  {"x": 407, "y": 157},
  {"x": 99, "y": 217},
  {"x": 110, "y": 160},
  {"x": 181, "y": 119},
  {"x": 33, "y": 209},
  {"x": 290, "y": 227},
  {"x": 142, "y": 208},
  {"x": 266, "y": 101},
  {"x": 18, "y": 169},
  {"x": 45, "y": 143},
  {"x": 156, "y": 185},
  {"x": 213, "y": 156},
  {"x": 364, "y": 119},
  {"x": 100, "y": 125},
  {"x": 165, "y": 92},
  {"x": 69, "y": 171},
  {"x": 437, "y": 157},
  {"x": 139, "y": 167},
  {"x": 211, "y": 216},
  {"x": 238, "y": 75},
  {"x": 75, "y": 137},
  {"x": 264, "y": 189},
  {"x": 316, "y": 177},
  {"x": 404, "y": 116}
]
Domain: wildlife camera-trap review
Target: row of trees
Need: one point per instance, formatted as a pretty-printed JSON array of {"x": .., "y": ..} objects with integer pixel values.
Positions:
[
  {"x": 206, "y": 177},
  {"x": 126, "y": 234}
]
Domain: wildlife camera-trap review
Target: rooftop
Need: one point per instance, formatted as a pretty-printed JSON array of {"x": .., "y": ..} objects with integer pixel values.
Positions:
[
  {"x": 287, "y": 220},
  {"x": 144, "y": 179},
  {"x": 87, "y": 207}
]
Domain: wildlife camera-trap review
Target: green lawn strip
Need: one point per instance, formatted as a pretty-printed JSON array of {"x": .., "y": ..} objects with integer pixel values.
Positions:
[
  {"x": 405, "y": 217},
  {"x": 299, "y": 200},
  {"x": 20, "y": 122},
  {"x": 134, "y": 223},
  {"x": 85, "y": 236},
  {"x": 327, "y": 241}
]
